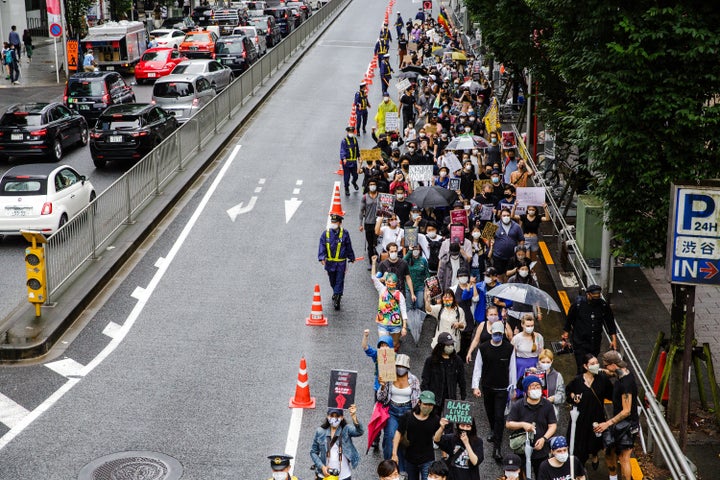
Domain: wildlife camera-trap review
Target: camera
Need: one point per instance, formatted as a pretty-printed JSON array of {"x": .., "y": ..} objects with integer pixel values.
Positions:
[{"x": 333, "y": 472}]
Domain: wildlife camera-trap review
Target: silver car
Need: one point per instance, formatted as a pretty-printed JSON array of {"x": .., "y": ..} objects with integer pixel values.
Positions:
[
  {"x": 254, "y": 34},
  {"x": 182, "y": 95},
  {"x": 218, "y": 74}
]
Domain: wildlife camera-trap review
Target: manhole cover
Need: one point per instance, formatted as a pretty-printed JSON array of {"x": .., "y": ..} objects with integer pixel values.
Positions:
[{"x": 132, "y": 466}]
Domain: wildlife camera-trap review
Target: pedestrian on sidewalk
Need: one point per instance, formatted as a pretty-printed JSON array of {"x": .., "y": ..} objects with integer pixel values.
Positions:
[
  {"x": 14, "y": 39},
  {"x": 10, "y": 60},
  {"x": 27, "y": 41}
]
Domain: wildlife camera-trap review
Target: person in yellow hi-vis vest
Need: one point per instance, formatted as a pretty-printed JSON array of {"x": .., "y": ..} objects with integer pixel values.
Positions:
[
  {"x": 334, "y": 251},
  {"x": 385, "y": 106}
]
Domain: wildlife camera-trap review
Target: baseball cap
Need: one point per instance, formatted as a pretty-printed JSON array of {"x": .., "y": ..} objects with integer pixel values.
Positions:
[
  {"x": 445, "y": 339},
  {"x": 497, "y": 327},
  {"x": 427, "y": 397},
  {"x": 511, "y": 462}
]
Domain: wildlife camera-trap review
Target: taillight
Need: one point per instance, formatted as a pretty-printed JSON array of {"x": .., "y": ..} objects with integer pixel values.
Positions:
[
  {"x": 244, "y": 55},
  {"x": 46, "y": 208},
  {"x": 141, "y": 133},
  {"x": 95, "y": 135},
  {"x": 65, "y": 99},
  {"x": 39, "y": 133},
  {"x": 106, "y": 99},
  {"x": 257, "y": 40},
  {"x": 153, "y": 102}
]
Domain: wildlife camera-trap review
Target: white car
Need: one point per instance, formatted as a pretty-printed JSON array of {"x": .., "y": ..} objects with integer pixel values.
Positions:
[
  {"x": 168, "y": 37},
  {"x": 41, "y": 197},
  {"x": 257, "y": 37}
]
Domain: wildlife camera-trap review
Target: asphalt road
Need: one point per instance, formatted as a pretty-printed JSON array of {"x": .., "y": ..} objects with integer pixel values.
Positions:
[{"x": 215, "y": 333}]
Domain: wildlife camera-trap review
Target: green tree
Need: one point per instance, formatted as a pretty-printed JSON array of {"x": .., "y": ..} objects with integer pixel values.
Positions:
[{"x": 75, "y": 14}]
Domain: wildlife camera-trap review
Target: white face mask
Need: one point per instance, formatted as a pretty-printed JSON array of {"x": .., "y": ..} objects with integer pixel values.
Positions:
[
  {"x": 529, "y": 330},
  {"x": 476, "y": 235},
  {"x": 443, "y": 174},
  {"x": 334, "y": 226},
  {"x": 487, "y": 279},
  {"x": 415, "y": 216},
  {"x": 334, "y": 422},
  {"x": 432, "y": 235},
  {"x": 466, "y": 207},
  {"x": 400, "y": 197},
  {"x": 449, "y": 349},
  {"x": 562, "y": 457},
  {"x": 416, "y": 253},
  {"x": 463, "y": 279},
  {"x": 535, "y": 394},
  {"x": 279, "y": 475},
  {"x": 594, "y": 369},
  {"x": 512, "y": 474},
  {"x": 372, "y": 188},
  {"x": 350, "y": 134},
  {"x": 544, "y": 366},
  {"x": 468, "y": 168},
  {"x": 506, "y": 220},
  {"x": 523, "y": 273},
  {"x": 393, "y": 255}
]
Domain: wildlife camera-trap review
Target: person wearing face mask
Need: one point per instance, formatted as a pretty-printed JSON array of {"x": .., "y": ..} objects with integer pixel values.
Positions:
[
  {"x": 361, "y": 104},
  {"x": 385, "y": 106},
  {"x": 519, "y": 177},
  {"x": 334, "y": 251},
  {"x": 467, "y": 180},
  {"x": 483, "y": 330},
  {"x": 388, "y": 470},
  {"x": 450, "y": 317},
  {"x": 516, "y": 309},
  {"x": 528, "y": 344},
  {"x": 480, "y": 297},
  {"x": 512, "y": 468},
  {"x": 408, "y": 107},
  {"x": 554, "y": 383},
  {"x": 479, "y": 253},
  {"x": 435, "y": 242},
  {"x": 493, "y": 376},
  {"x": 441, "y": 143},
  {"x": 399, "y": 182},
  {"x": 558, "y": 465},
  {"x": 444, "y": 371},
  {"x": 349, "y": 157},
  {"x": 530, "y": 224},
  {"x": 401, "y": 206},
  {"x": 395, "y": 264},
  {"x": 332, "y": 447},
  {"x": 438, "y": 471},
  {"x": 386, "y": 71},
  {"x": 280, "y": 466},
  {"x": 443, "y": 180},
  {"x": 508, "y": 236},
  {"x": 463, "y": 448},
  {"x": 368, "y": 217},
  {"x": 391, "y": 317},
  {"x": 511, "y": 165},
  {"x": 390, "y": 233},
  {"x": 417, "y": 427},
  {"x": 419, "y": 272},
  {"x": 508, "y": 199},
  {"x": 535, "y": 415},
  {"x": 449, "y": 266},
  {"x": 401, "y": 395},
  {"x": 493, "y": 150},
  {"x": 498, "y": 186},
  {"x": 584, "y": 324},
  {"x": 588, "y": 391}
]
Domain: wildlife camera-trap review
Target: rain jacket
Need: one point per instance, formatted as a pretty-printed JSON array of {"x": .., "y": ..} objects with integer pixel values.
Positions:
[{"x": 383, "y": 108}]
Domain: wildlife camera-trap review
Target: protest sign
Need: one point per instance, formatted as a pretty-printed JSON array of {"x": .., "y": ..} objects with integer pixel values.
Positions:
[
  {"x": 370, "y": 154},
  {"x": 508, "y": 139},
  {"x": 530, "y": 196},
  {"x": 486, "y": 212},
  {"x": 459, "y": 216},
  {"x": 392, "y": 122},
  {"x": 403, "y": 85},
  {"x": 488, "y": 232},
  {"x": 386, "y": 204},
  {"x": 457, "y": 233},
  {"x": 454, "y": 184},
  {"x": 432, "y": 284},
  {"x": 411, "y": 236},
  {"x": 420, "y": 173},
  {"x": 342, "y": 388},
  {"x": 520, "y": 209},
  {"x": 386, "y": 364},
  {"x": 458, "y": 411},
  {"x": 452, "y": 162}
]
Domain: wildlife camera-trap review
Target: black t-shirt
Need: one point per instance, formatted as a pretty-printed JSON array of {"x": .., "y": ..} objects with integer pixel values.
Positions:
[
  {"x": 624, "y": 385},
  {"x": 542, "y": 414},
  {"x": 548, "y": 472},
  {"x": 399, "y": 268},
  {"x": 530, "y": 226},
  {"x": 420, "y": 435},
  {"x": 461, "y": 467}
]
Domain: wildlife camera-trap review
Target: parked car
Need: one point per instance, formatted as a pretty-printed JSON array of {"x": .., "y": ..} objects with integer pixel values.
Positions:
[
  {"x": 267, "y": 24},
  {"x": 89, "y": 93},
  {"x": 283, "y": 19},
  {"x": 182, "y": 95},
  {"x": 41, "y": 197},
  {"x": 129, "y": 132},
  {"x": 217, "y": 74},
  {"x": 199, "y": 44},
  {"x": 157, "y": 62},
  {"x": 40, "y": 129},
  {"x": 253, "y": 33},
  {"x": 168, "y": 37}
]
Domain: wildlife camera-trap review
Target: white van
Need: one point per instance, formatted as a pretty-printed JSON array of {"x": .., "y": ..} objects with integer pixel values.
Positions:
[{"x": 256, "y": 8}]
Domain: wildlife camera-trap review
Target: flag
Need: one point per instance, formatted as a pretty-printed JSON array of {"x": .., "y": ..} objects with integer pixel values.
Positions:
[
  {"x": 442, "y": 20},
  {"x": 492, "y": 117}
]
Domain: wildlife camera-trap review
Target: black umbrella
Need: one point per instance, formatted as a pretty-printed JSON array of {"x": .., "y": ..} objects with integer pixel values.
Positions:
[
  {"x": 411, "y": 75},
  {"x": 432, "y": 196},
  {"x": 415, "y": 68}
]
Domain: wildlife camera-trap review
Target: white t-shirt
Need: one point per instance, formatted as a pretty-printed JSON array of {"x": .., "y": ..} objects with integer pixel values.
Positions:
[
  {"x": 333, "y": 461},
  {"x": 390, "y": 235}
]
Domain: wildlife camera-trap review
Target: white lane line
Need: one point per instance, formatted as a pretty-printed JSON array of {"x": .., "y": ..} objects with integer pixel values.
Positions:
[
  {"x": 296, "y": 191},
  {"x": 159, "y": 262},
  {"x": 11, "y": 413},
  {"x": 111, "y": 330},
  {"x": 261, "y": 181},
  {"x": 66, "y": 367},
  {"x": 131, "y": 319},
  {"x": 293, "y": 437},
  {"x": 258, "y": 189},
  {"x": 298, "y": 183},
  {"x": 139, "y": 294}
]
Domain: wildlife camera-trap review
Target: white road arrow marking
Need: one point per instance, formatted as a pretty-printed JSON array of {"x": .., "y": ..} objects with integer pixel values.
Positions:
[
  {"x": 239, "y": 209},
  {"x": 291, "y": 207}
]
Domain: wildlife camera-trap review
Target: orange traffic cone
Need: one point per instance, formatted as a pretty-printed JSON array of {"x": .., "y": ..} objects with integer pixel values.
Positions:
[
  {"x": 302, "y": 398},
  {"x": 374, "y": 61},
  {"x": 368, "y": 78},
  {"x": 339, "y": 171},
  {"x": 316, "y": 318},
  {"x": 336, "y": 206}
]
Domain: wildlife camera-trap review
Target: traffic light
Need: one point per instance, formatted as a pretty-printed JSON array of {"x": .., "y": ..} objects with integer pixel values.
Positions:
[{"x": 35, "y": 269}]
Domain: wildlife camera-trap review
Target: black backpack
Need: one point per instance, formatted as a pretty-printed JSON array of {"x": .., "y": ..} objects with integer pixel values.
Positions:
[{"x": 434, "y": 247}]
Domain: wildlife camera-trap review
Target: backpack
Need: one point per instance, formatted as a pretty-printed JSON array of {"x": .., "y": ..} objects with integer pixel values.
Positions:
[{"x": 8, "y": 56}]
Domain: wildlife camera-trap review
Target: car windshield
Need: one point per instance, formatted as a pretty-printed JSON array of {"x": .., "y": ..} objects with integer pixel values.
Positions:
[
  {"x": 260, "y": 24},
  {"x": 159, "y": 56},
  {"x": 249, "y": 31},
  {"x": 119, "y": 123},
  {"x": 229, "y": 47},
  {"x": 173, "y": 89},
  {"x": 189, "y": 68},
  {"x": 14, "y": 186},
  {"x": 21, "y": 119},
  {"x": 197, "y": 37},
  {"x": 86, "y": 89}
]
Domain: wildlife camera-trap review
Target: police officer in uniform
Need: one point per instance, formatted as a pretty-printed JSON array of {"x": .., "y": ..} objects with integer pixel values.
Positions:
[
  {"x": 385, "y": 72},
  {"x": 584, "y": 324},
  {"x": 280, "y": 465},
  {"x": 349, "y": 156},
  {"x": 382, "y": 47},
  {"x": 334, "y": 251},
  {"x": 385, "y": 33},
  {"x": 361, "y": 107}
]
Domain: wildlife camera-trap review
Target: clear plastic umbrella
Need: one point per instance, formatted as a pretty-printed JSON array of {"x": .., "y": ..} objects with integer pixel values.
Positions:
[{"x": 526, "y": 294}]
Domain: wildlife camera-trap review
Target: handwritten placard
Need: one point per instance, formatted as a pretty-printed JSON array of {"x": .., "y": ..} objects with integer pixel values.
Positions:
[
  {"x": 458, "y": 411},
  {"x": 392, "y": 122},
  {"x": 342, "y": 388},
  {"x": 386, "y": 364},
  {"x": 420, "y": 173},
  {"x": 530, "y": 196},
  {"x": 370, "y": 154},
  {"x": 386, "y": 204},
  {"x": 454, "y": 184},
  {"x": 489, "y": 231},
  {"x": 403, "y": 85},
  {"x": 411, "y": 236},
  {"x": 452, "y": 162}
]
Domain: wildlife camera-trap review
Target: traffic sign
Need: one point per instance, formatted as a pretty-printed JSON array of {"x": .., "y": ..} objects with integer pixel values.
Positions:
[
  {"x": 694, "y": 234},
  {"x": 427, "y": 5},
  {"x": 55, "y": 30}
]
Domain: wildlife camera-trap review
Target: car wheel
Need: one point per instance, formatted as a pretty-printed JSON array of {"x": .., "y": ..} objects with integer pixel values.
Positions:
[
  {"x": 99, "y": 162},
  {"x": 92, "y": 196},
  {"x": 84, "y": 136},
  {"x": 57, "y": 151},
  {"x": 63, "y": 220},
  {"x": 140, "y": 81}
]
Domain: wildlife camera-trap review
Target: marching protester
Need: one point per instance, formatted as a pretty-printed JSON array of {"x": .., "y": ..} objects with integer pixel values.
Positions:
[{"x": 332, "y": 451}]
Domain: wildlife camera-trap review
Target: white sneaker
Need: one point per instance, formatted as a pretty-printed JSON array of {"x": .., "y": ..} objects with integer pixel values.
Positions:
[{"x": 16, "y": 82}]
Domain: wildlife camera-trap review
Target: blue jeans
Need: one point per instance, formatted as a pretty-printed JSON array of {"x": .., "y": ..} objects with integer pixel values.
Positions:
[
  {"x": 419, "y": 303},
  {"x": 417, "y": 472},
  {"x": 389, "y": 432}
]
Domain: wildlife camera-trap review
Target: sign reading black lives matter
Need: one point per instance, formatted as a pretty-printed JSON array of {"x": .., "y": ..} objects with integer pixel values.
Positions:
[
  {"x": 342, "y": 388},
  {"x": 457, "y": 411}
]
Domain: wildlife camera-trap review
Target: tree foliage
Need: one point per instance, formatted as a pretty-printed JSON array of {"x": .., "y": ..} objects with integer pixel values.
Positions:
[
  {"x": 75, "y": 12},
  {"x": 634, "y": 85}
]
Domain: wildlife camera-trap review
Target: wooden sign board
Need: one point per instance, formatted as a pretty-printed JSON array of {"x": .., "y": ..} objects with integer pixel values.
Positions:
[{"x": 386, "y": 364}]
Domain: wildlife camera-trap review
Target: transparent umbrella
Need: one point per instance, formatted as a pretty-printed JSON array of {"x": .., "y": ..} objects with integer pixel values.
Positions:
[{"x": 527, "y": 294}]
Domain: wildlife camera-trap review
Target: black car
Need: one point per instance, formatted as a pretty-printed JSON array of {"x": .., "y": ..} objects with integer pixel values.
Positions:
[
  {"x": 40, "y": 129},
  {"x": 129, "y": 132},
  {"x": 267, "y": 25},
  {"x": 89, "y": 93},
  {"x": 202, "y": 15},
  {"x": 236, "y": 52},
  {"x": 284, "y": 19},
  {"x": 304, "y": 9}
]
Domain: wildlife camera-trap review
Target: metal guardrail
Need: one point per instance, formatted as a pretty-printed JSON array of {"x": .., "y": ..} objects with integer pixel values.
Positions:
[
  {"x": 69, "y": 250},
  {"x": 658, "y": 428}
]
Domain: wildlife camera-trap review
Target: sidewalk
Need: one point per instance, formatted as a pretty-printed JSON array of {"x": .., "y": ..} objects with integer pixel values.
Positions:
[{"x": 41, "y": 71}]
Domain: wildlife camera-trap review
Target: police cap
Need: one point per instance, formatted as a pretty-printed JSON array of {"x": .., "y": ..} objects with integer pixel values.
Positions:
[
  {"x": 279, "y": 462},
  {"x": 336, "y": 218},
  {"x": 594, "y": 289}
]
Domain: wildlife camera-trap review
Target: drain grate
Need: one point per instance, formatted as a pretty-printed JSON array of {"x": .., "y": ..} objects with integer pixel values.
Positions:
[{"x": 132, "y": 466}]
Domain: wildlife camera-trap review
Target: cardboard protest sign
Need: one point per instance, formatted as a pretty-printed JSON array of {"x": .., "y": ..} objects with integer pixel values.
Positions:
[
  {"x": 403, "y": 85},
  {"x": 370, "y": 154},
  {"x": 530, "y": 196},
  {"x": 420, "y": 173},
  {"x": 432, "y": 285},
  {"x": 411, "y": 236},
  {"x": 486, "y": 212},
  {"x": 488, "y": 232},
  {"x": 454, "y": 184},
  {"x": 479, "y": 185},
  {"x": 457, "y": 233},
  {"x": 386, "y": 364},
  {"x": 386, "y": 204},
  {"x": 458, "y": 411},
  {"x": 520, "y": 209},
  {"x": 342, "y": 388},
  {"x": 508, "y": 139},
  {"x": 452, "y": 162},
  {"x": 392, "y": 122},
  {"x": 459, "y": 216},
  {"x": 429, "y": 61}
]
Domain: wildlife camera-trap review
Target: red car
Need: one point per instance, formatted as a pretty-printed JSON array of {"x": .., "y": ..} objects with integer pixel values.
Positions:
[
  {"x": 199, "y": 44},
  {"x": 157, "y": 62}
]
